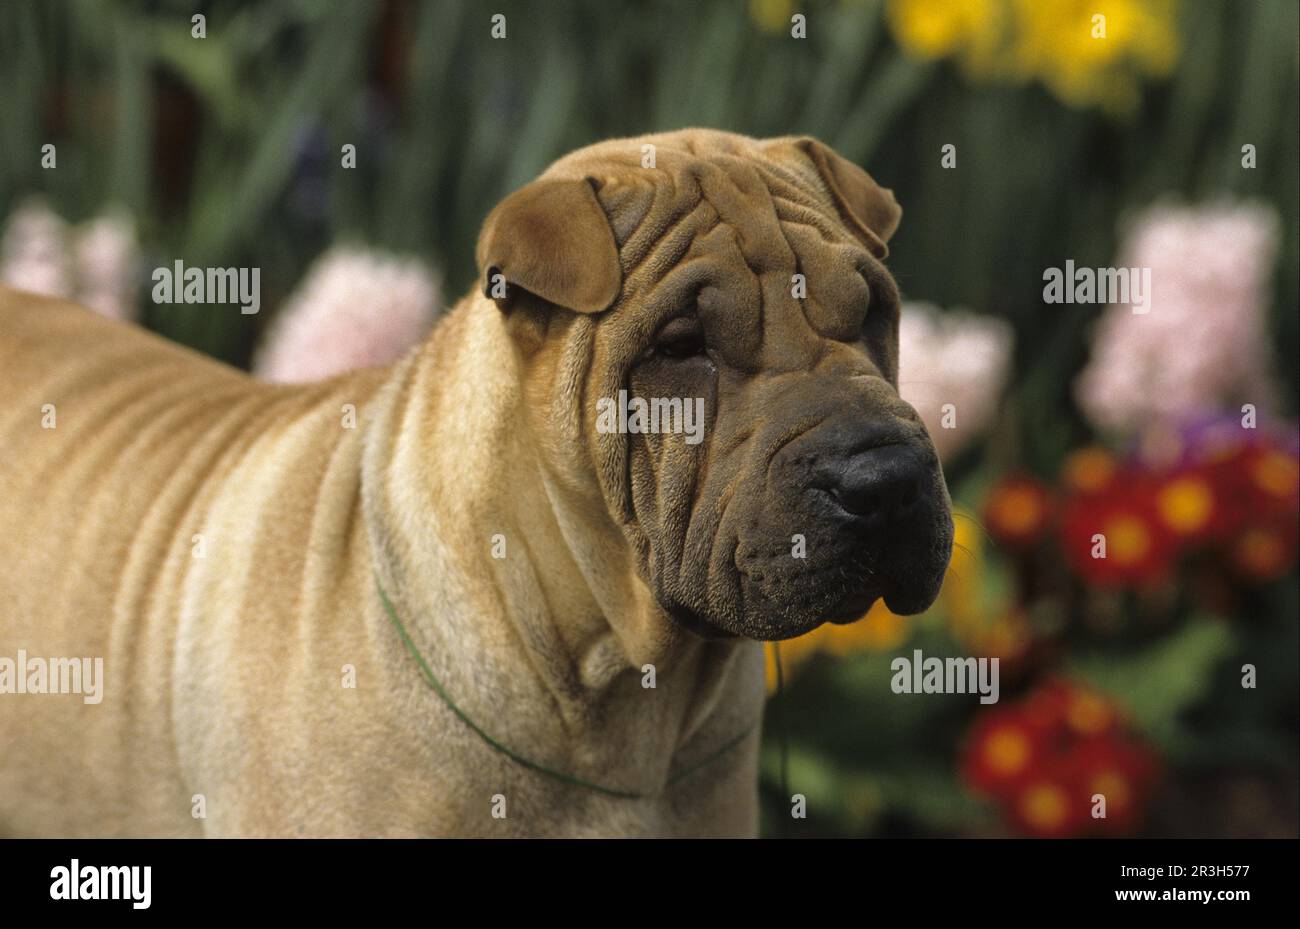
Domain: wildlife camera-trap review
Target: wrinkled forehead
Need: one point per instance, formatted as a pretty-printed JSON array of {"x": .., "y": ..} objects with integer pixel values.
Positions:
[
  {"x": 734, "y": 223},
  {"x": 654, "y": 185}
]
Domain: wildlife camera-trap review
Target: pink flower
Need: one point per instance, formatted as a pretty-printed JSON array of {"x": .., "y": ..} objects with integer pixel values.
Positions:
[
  {"x": 107, "y": 258},
  {"x": 34, "y": 251},
  {"x": 952, "y": 368},
  {"x": 94, "y": 263},
  {"x": 356, "y": 308},
  {"x": 1202, "y": 343}
]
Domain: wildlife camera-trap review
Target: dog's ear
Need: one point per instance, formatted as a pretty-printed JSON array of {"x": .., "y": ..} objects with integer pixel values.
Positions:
[
  {"x": 867, "y": 208},
  {"x": 552, "y": 239}
]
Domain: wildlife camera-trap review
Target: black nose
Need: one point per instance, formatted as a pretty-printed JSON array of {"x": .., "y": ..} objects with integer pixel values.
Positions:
[{"x": 880, "y": 484}]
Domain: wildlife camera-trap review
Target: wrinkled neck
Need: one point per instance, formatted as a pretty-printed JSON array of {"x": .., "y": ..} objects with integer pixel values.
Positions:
[{"x": 498, "y": 569}]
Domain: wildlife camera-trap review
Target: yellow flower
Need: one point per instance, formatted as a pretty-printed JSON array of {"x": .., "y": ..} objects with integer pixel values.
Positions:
[
  {"x": 1092, "y": 51},
  {"x": 963, "y": 584},
  {"x": 771, "y": 15},
  {"x": 794, "y": 652},
  {"x": 992, "y": 629},
  {"x": 1087, "y": 52},
  {"x": 880, "y": 630},
  {"x": 939, "y": 28}
]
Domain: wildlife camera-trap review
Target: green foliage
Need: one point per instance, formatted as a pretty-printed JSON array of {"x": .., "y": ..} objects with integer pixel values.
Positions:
[
  {"x": 868, "y": 758},
  {"x": 205, "y": 140},
  {"x": 1162, "y": 680}
]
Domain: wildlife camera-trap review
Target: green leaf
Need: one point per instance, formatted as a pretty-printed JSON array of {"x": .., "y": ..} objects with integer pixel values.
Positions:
[{"x": 1157, "y": 683}]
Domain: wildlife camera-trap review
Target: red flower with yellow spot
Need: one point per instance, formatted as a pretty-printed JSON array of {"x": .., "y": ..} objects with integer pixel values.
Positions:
[
  {"x": 1117, "y": 538},
  {"x": 1089, "y": 714},
  {"x": 1272, "y": 477},
  {"x": 1262, "y": 482},
  {"x": 1003, "y": 749},
  {"x": 1058, "y": 759},
  {"x": 1049, "y": 808},
  {"x": 1018, "y": 511},
  {"x": 1114, "y": 777},
  {"x": 1186, "y": 504},
  {"x": 1072, "y": 709},
  {"x": 1201, "y": 503},
  {"x": 1089, "y": 470},
  {"x": 1265, "y": 550}
]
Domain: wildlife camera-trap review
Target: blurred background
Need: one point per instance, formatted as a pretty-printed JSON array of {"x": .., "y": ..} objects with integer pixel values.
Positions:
[{"x": 1164, "y": 676}]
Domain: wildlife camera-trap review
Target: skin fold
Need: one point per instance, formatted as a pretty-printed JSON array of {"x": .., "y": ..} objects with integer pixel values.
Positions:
[{"x": 217, "y": 540}]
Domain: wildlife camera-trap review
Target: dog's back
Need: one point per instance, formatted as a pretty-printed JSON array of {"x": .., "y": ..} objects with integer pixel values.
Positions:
[{"x": 113, "y": 445}]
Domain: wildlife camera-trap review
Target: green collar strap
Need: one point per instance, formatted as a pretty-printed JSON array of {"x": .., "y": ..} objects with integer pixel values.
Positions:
[{"x": 522, "y": 760}]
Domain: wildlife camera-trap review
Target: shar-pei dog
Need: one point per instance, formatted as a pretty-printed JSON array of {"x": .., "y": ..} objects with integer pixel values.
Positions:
[{"x": 515, "y": 583}]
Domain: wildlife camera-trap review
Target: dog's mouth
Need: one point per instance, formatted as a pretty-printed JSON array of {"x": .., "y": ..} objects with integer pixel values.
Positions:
[
  {"x": 792, "y": 556},
  {"x": 855, "y": 606},
  {"x": 848, "y": 608}
]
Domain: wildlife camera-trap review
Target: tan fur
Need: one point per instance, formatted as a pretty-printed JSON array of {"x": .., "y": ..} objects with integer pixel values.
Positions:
[{"x": 223, "y": 674}]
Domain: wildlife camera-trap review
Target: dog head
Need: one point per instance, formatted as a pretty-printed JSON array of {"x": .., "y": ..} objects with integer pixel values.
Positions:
[{"x": 708, "y": 325}]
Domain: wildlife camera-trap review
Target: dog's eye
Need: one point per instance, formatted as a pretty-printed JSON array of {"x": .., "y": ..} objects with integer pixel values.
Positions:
[{"x": 680, "y": 338}]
